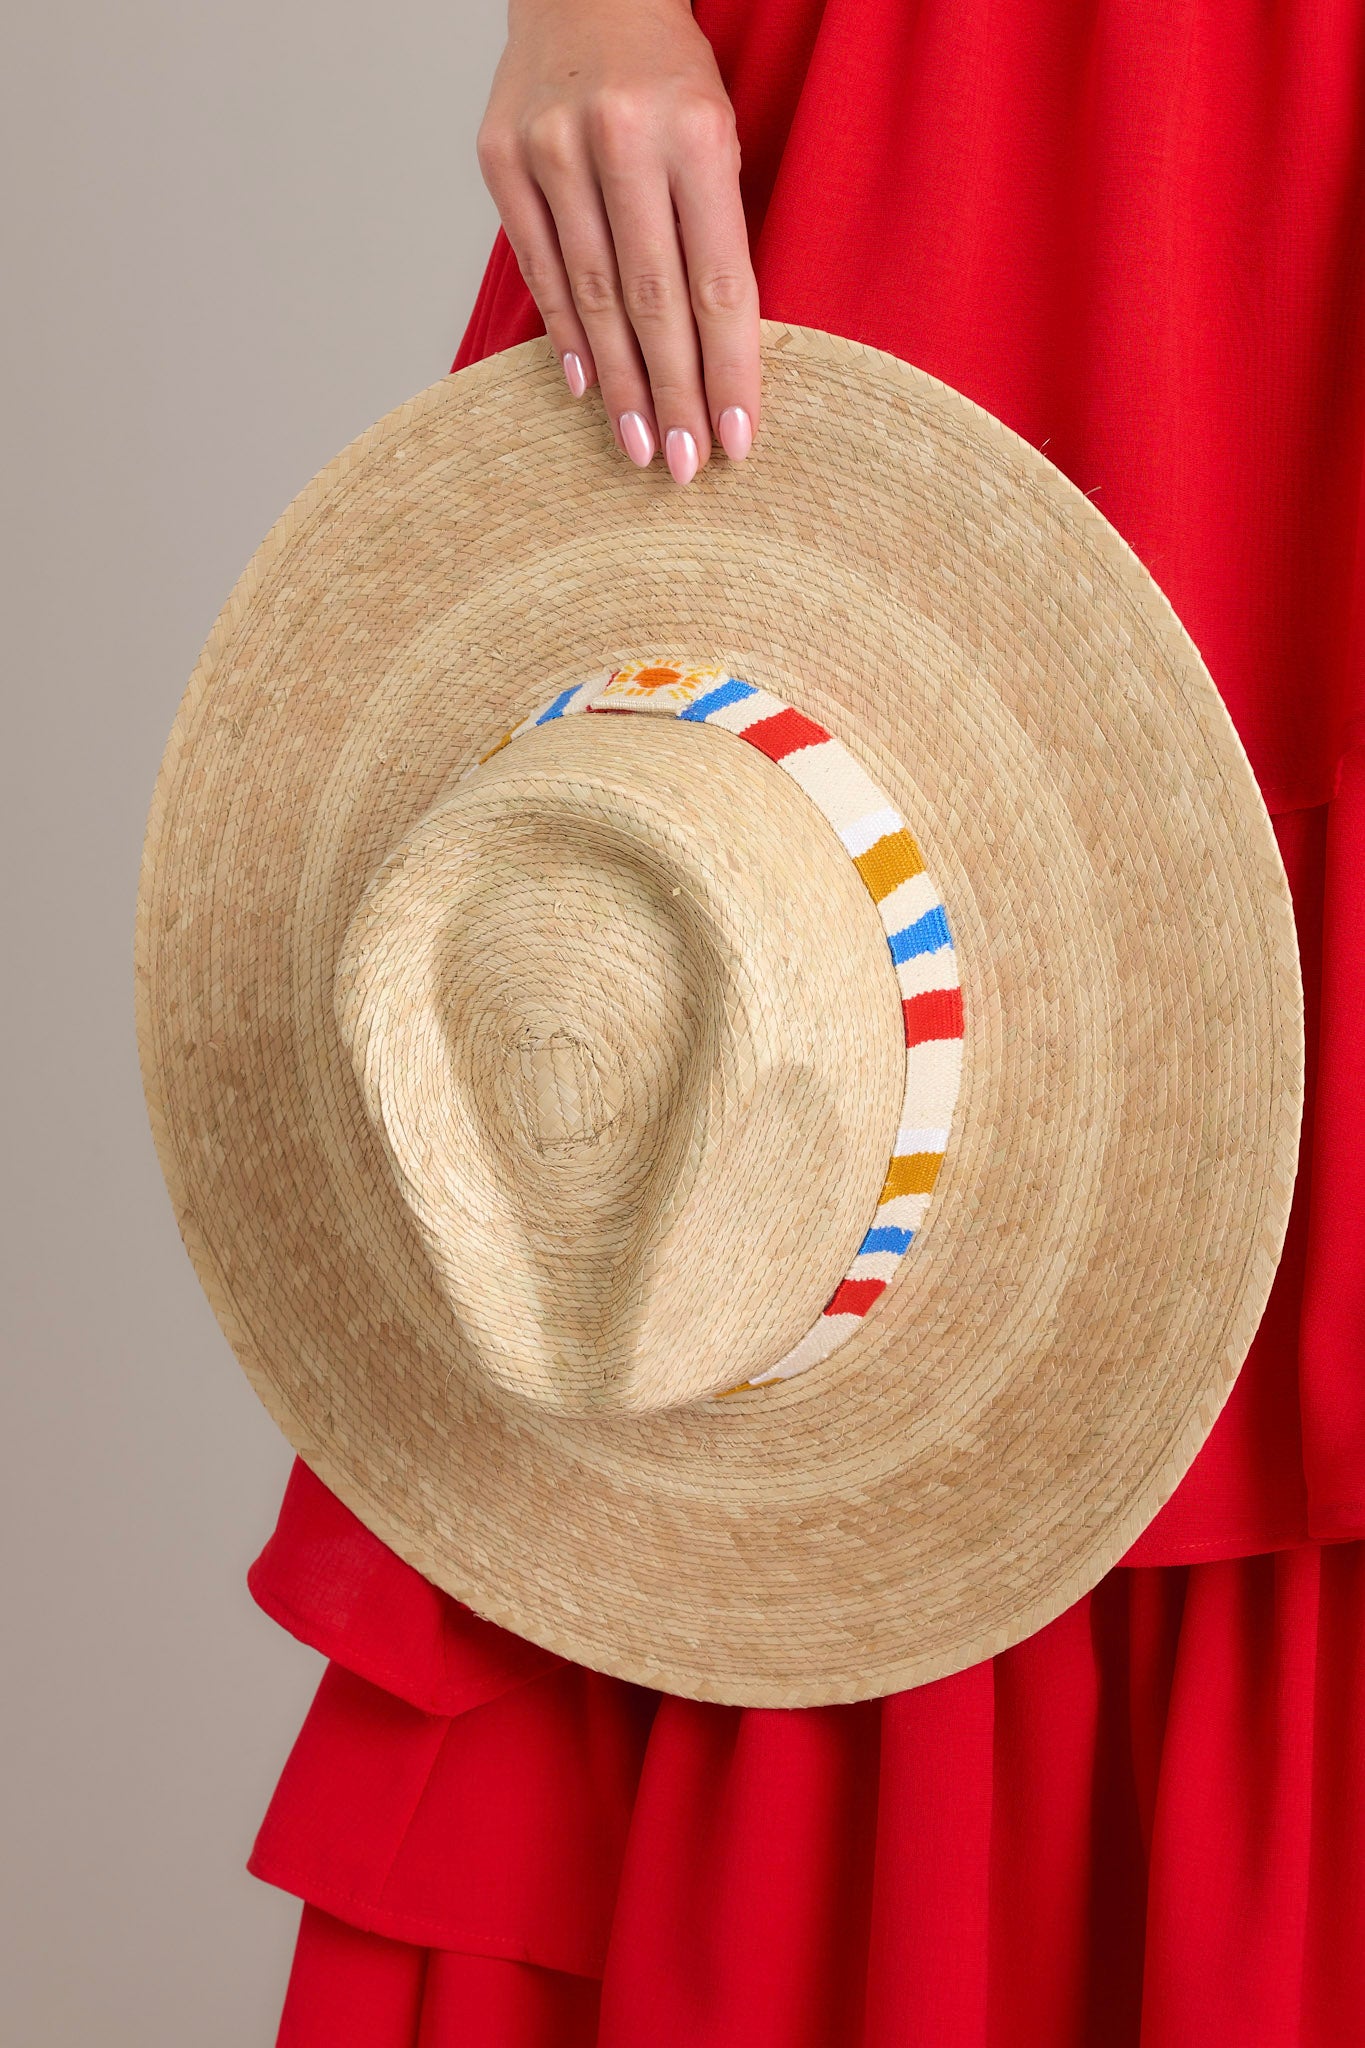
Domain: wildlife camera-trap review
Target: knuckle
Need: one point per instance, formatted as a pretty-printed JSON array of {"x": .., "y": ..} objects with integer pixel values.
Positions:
[
  {"x": 595, "y": 291},
  {"x": 649, "y": 295},
  {"x": 542, "y": 281},
  {"x": 495, "y": 150},
  {"x": 718, "y": 292},
  {"x": 707, "y": 124},
  {"x": 679, "y": 404},
  {"x": 618, "y": 121},
  {"x": 552, "y": 138}
]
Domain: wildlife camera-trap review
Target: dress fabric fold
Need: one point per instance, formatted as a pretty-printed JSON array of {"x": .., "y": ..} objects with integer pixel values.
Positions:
[
  {"x": 1141, "y": 1825},
  {"x": 1137, "y": 235}
]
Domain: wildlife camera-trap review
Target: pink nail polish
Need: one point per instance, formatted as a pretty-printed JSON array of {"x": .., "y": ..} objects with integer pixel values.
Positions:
[
  {"x": 680, "y": 450},
  {"x": 736, "y": 433},
  {"x": 636, "y": 438},
  {"x": 573, "y": 373}
]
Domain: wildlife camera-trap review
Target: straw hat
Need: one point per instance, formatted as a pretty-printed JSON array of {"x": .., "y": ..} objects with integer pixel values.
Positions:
[{"x": 729, "y": 1059}]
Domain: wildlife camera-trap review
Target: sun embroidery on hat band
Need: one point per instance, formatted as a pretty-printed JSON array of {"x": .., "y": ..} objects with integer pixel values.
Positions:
[{"x": 913, "y": 917}]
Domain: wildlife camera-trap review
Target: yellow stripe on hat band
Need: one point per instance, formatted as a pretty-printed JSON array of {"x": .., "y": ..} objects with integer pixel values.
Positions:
[
  {"x": 890, "y": 862},
  {"x": 914, "y": 1173}
]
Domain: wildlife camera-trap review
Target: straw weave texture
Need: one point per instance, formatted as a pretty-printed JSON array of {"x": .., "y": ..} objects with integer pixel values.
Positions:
[{"x": 1104, "y": 1231}]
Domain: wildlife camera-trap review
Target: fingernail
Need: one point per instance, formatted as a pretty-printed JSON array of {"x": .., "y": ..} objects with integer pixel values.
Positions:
[
  {"x": 681, "y": 452},
  {"x": 573, "y": 372},
  {"x": 637, "y": 438},
  {"x": 736, "y": 433}
]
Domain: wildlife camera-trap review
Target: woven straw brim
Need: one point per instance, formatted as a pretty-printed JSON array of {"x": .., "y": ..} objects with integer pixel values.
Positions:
[{"x": 1111, "y": 1209}]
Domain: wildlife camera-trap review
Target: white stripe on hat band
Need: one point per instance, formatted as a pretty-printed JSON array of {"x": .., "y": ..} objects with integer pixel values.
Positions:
[
  {"x": 902, "y": 1212},
  {"x": 873, "y": 1266},
  {"x": 927, "y": 971},
  {"x": 866, "y": 831},
  {"x": 908, "y": 1141}
]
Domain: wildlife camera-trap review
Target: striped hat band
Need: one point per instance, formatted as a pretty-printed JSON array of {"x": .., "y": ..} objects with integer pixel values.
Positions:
[{"x": 914, "y": 919}]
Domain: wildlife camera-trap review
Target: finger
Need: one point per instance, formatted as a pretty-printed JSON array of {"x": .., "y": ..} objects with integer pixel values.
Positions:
[
  {"x": 529, "y": 226},
  {"x": 654, "y": 290},
  {"x": 585, "y": 239},
  {"x": 723, "y": 288},
  {"x": 560, "y": 164}
]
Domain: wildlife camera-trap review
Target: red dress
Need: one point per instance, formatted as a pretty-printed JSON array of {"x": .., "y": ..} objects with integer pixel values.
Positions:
[{"x": 1135, "y": 230}]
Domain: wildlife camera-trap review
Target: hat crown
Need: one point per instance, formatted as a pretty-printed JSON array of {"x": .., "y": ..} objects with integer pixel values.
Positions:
[{"x": 636, "y": 1097}]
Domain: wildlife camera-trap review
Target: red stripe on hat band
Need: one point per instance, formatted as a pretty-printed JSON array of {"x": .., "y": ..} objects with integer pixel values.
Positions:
[
  {"x": 935, "y": 1014},
  {"x": 854, "y": 1297},
  {"x": 784, "y": 733}
]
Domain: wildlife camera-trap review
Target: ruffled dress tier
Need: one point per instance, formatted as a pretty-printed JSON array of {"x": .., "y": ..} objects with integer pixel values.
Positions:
[{"x": 1137, "y": 235}]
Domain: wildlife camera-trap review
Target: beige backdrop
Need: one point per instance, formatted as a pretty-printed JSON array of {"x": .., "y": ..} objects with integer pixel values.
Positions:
[{"x": 234, "y": 236}]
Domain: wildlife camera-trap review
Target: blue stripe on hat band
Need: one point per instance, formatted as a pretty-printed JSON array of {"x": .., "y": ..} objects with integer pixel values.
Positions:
[
  {"x": 926, "y": 935},
  {"x": 732, "y": 691},
  {"x": 556, "y": 710},
  {"x": 883, "y": 1237}
]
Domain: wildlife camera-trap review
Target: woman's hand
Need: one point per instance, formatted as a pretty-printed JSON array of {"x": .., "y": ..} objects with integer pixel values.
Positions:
[{"x": 606, "y": 120}]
